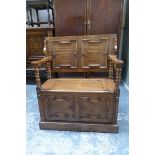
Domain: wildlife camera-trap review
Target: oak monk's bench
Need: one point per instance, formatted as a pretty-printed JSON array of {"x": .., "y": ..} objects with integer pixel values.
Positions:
[{"x": 82, "y": 104}]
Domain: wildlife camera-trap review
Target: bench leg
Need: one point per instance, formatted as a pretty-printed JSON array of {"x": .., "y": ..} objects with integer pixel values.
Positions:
[{"x": 40, "y": 105}]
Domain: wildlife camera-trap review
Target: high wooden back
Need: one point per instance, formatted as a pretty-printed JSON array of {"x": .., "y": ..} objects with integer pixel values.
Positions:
[{"x": 87, "y": 53}]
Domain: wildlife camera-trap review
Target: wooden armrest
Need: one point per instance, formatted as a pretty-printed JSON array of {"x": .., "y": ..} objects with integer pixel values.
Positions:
[
  {"x": 115, "y": 60},
  {"x": 39, "y": 62},
  {"x": 36, "y": 69},
  {"x": 115, "y": 64}
]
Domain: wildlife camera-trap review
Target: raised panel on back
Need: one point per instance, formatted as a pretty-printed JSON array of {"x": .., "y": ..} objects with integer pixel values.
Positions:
[
  {"x": 64, "y": 53},
  {"x": 94, "y": 53}
]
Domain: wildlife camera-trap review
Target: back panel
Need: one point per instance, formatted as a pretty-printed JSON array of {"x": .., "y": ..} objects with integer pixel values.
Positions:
[{"x": 81, "y": 53}]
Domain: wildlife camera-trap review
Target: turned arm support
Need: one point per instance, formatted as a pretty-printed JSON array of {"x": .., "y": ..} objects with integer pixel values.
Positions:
[
  {"x": 115, "y": 64},
  {"x": 36, "y": 68}
]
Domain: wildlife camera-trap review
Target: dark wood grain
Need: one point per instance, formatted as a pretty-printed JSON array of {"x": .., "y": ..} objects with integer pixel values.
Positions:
[
  {"x": 70, "y": 17},
  {"x": 104, "y": 16},
  {"x": 78, "y": 17}
]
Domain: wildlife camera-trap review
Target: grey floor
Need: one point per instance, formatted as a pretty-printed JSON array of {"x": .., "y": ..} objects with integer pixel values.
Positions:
[{"x": 47, "y": 142}]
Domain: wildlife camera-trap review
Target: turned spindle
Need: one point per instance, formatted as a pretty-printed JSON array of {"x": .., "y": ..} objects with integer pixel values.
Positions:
[
  {"x": 37, "y": 77},
  {"x": 118, "y": 75},
  {"x": 48, "y": 67},
  {"x": 110, "y": 70}
]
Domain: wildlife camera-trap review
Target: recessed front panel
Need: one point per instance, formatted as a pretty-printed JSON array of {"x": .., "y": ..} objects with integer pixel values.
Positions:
[
  {"x": 78, "y": 107},
  {"x": 59, "y": 107},
  {"x": 94, "y": 108}
]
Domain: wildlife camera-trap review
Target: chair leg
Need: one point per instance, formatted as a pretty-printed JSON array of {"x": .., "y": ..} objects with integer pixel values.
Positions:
[
  {"x": 40, "y": 105},
  {"x": 28, "y": 18},
  {"x": 31, "y": 18},
  {"x": 49, "y": 21},
  {"x": 37, "y": 17},
  {"x": 117, "y": 94}
]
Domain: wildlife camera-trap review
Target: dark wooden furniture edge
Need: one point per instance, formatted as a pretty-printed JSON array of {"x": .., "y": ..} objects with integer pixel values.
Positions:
[{"x": 79, "y": 127}]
